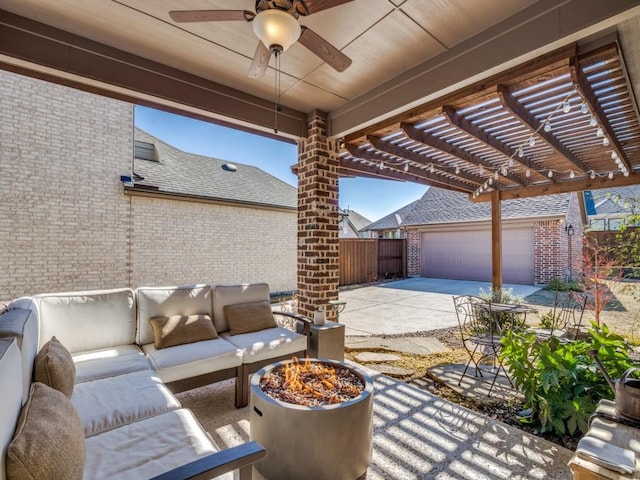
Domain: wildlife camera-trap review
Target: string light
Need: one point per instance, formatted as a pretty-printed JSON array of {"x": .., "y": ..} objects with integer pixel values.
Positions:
[
  {"x": 572, "y": 174},
  {"x": 532, "y": 141},
  {"x": 481, "y": 170},
  {"x": 457, "y": 170},
  {"x": 610, "y": 175},
  {"x": 527, "y": 173},
  {"x": 510, "y": 162},
  {"x": 496, "y": 175},
  {"x": 381, "y": 166},
  {"x": 490, "y": 180},
  {"x": 605, "y": 142},
  {"x": 566, "y": 106},
  {"x": 550, "y": 174},
  {"x": 599, "y": 132},
  {"x": 592, "y": 121},
  {"x": 614, "y": 155},
  {"x": 504, "y": 171},
  {"x": 432, "y": 168},
  {"x": 547, "y": 126},
  {"x": 406, "y": 167},
  {"x": 592, "y": 175},
  {"x": 583, "y": 108},
  {"x": 520, "y": 153}
]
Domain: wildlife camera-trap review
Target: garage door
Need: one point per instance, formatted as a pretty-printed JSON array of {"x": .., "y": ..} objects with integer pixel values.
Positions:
[{"x": 466, "y": 255}]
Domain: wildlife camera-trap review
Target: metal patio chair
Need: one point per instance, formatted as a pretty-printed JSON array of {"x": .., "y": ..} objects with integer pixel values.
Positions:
[
  {"x": 480, "y": 336},
  {"x": 567, "y": 314}
]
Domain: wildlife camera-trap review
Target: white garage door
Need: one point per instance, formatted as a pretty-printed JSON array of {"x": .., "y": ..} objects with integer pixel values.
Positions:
[{"x": 466, "y": 255}]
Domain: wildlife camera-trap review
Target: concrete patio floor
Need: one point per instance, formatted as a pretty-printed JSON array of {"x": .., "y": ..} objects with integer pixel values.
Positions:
[
  {"x": 409, "y": 305},
  {"x": 416, "y": 435}
]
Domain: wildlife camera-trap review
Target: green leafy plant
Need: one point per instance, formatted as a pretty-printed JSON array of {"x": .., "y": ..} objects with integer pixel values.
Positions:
[
  {"x": 559, "y": 285},
  {"x": 560, "y": 381},
  {"x": 548, "y": 320}
]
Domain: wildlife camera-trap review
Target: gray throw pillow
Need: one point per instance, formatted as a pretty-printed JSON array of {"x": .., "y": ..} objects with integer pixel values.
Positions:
[
  {"x": 54, "y": 367},
  {"x": 49, "y": 438},
  {"x": 249, "y": 317},
  {"x": 181, "y": 329}
]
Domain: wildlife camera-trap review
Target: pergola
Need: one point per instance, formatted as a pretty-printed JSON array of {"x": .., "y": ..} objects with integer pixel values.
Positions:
[{"x": 501, "y": 99}]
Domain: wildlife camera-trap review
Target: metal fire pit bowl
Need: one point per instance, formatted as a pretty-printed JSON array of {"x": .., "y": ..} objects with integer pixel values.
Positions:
[{"x": 313, "y": 443}]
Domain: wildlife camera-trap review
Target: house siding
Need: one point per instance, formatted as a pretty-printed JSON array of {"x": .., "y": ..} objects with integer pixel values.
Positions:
[
  {"x": 66, "y": 223},
  {"x": 181, "y": 242},
  {"x": 63, "y": 218}
]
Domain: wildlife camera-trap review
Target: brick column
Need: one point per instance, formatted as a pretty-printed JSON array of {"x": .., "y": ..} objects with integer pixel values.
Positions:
[{"x": 318, "y": 263}]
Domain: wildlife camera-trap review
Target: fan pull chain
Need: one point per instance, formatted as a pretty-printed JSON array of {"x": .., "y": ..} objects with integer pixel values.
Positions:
[{"x": 277, "y": 93}]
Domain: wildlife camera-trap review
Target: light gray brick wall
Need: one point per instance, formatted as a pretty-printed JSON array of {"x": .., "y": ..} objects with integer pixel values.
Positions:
[
  {"x": 63, "y": 217},
  {"x": 66, "y": 224},
  {"x": 178, "y": 242}
]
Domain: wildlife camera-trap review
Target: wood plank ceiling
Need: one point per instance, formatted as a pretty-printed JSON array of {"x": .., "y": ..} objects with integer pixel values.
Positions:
[{"x": 564, "y": 122}]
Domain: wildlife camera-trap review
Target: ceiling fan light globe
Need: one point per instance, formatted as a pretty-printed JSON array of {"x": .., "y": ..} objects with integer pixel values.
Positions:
[{"x": 276, "y": 28}]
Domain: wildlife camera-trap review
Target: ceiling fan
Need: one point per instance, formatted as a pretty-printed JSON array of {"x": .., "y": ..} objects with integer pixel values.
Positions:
[{"x": 275, "y": 23}]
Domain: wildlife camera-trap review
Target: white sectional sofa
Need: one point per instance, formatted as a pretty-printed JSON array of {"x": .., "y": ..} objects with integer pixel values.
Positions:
[{"x": 122, "y": 394}]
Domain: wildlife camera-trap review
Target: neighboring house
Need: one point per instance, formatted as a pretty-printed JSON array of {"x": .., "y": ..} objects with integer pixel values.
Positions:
[
  {"x": 450, "y": 237},
  {"x": 392, "y": 225},
  {"x": 351, "y": 224},
  {"x": 607, "y": 207},
  {"x": 67, "y": 223}
]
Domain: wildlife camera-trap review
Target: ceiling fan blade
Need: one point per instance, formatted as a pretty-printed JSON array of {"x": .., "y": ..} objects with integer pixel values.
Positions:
[
  {"x": 182, "y": 16},
  {"x": 323, "y": 49},
  {"x": 307, "y": 7},
  {"x": 260, "y": 61}
]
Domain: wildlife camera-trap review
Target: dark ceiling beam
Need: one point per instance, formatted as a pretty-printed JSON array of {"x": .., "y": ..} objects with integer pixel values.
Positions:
[
  {"x": 511, "y": 104},
  {"x": 38, "y": 50},
  {"x": 589, "y": 96},
  {"x": 439, "y": 144},
  {"x": 412, "y": 175},
  {"x": 388, "y": 147},
  {"x": 567, "y": 186}
]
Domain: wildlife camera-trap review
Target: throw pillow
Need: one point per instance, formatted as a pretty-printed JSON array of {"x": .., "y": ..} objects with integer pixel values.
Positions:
[
  {"x": 49, "y": 438},
  {"x": 249, "y": 317},
  {"x": 54, "y": 367},
  {"x": 181, "y": 329}
]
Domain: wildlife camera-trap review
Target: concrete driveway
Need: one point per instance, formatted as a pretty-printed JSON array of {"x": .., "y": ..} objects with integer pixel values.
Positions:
[{"x": 410, "y": 305}]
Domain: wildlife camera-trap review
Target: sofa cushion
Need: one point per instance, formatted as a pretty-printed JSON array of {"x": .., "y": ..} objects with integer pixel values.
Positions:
[
  {"x": 85, "y": 321},
  {"x": 171, "y": 439},
  {"x": 233, "y": 294},
  {"x": 185, "y": 361},
  {"x": 22, "y": 322},
  {"x": 108, "y": 362},
  {"x": 269, "y": 343},
  {"x": 11, "y": 395},
  {"x": 169, "y": 301},
  {"x": 115, "y": 401},
  {"x": 49, "y": 439},
  {"x": 249, "y": 317},
  {"x": 54, "y": 367},
  {"x": 182, "y": 329}
]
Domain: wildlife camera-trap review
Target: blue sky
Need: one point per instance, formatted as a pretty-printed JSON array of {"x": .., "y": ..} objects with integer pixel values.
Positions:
[{"x": 369, "y": 197}]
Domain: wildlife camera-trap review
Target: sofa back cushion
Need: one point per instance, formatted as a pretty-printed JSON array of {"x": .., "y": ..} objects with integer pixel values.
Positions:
[
  {"x": 85, "y": 321},
  {"x": 11, "y": 382},
  {"x": 224, "y": 295},
  {"x": 167, "y": 302},
  {"x": 249, "y": 317},
  {"x": 22, "y": 323}
]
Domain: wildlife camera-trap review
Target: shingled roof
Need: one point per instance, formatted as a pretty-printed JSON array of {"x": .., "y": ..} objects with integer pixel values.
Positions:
[
  {"x": 187, "y": 174},
  {"x": 439, "y": 206},
  {"x": 611, "y": 201},
  {"x": 393, "y": 220}
]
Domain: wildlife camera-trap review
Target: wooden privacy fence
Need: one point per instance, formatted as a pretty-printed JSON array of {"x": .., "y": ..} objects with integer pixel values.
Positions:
[{"x": 365, "y": 260}]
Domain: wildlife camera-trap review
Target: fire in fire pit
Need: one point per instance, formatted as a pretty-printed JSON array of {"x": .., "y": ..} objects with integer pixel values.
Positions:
[
  {"x": 312, "y": 384},
  {"x": 314, "y": 418}
]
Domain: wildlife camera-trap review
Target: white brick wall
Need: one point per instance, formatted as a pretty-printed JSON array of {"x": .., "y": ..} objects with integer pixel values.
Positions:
[
  {"x": 66, "y": 224},
  {"x": 177, "y": 242},
  {"x": 63, "y": 217}
]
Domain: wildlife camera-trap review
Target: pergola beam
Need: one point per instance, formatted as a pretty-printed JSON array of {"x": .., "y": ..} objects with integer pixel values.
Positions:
[
  {"x": 511, "y": 104},
  {"x": 562, "y": 187},
  {"x": 413, "y": 174},
  {"x": 407, "y": 154},
  {"x": 589, "y": 96},
  {"x": 434, "y": 142},
  {"x": 491, "y": 142}
]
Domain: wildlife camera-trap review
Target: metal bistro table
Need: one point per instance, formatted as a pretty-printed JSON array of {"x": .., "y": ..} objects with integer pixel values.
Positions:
[{"x": 512, "y": 311}]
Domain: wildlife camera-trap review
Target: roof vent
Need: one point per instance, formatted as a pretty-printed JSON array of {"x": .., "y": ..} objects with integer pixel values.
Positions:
[{"x": 229, "y": 167}]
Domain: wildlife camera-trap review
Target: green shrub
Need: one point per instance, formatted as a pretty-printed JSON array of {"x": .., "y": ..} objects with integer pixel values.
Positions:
[
  {"x": 558, "y": 285},
  {"x": 548, "y": 320},
  {"x": 560, "y": 382}
]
